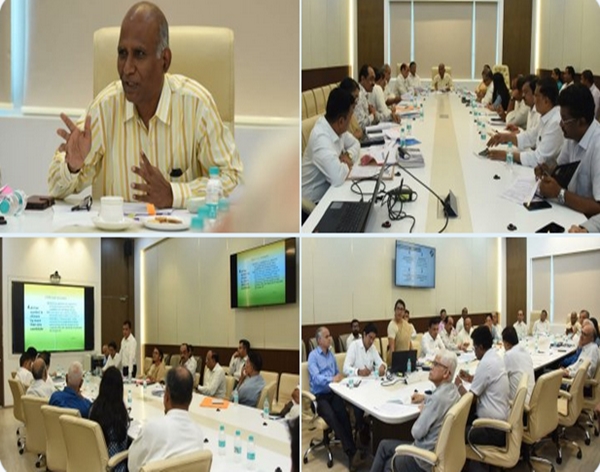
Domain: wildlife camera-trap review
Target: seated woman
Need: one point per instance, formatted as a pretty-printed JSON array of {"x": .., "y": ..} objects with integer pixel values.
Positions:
[
  {"x": 157, "y": 370},
  {"x": 501, "y": 95},
  {"x": 110, "y": 413}
]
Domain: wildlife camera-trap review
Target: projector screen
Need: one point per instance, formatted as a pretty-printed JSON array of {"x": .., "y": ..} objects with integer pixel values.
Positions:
[
  {"x": 415, "y": 265},
  {"x": 53, "y": 318},
  {"x": 264, "y": 275}
]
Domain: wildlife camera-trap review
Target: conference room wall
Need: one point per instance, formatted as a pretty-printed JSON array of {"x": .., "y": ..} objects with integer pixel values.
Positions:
[
  {"x": 569, "y": 34},
  {"x": 5, "y": 84},
  {"x": 185, "y": 297},
  {"x": 34, "y": 259},
  {"x": 60, "y": 34},
  {"x": 345, "y": 278}
]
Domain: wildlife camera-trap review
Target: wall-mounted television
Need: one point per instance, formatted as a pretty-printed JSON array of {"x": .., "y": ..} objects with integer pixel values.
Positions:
[
  {"x": 264, "y": 275},
  {"x": 415, "y": 265},
  {"x": 50, "y": 317}
]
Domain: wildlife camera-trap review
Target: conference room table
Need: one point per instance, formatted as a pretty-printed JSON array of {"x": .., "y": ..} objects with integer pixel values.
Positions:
[
  {"x": 271, "y": 437},
  {"x": 450, "y": 144},
  {"x": 390, "y": 406}
]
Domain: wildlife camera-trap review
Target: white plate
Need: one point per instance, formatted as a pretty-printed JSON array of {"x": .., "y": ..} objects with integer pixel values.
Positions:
[
  {"x": 150, "y": 223},
  {"x": 122, "y": 225}
]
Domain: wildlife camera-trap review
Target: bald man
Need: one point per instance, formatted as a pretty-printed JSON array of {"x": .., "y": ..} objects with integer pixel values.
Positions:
[
  {"x": 589, "y": 351},
  {"x": 40, "y": 387},
  {"x": 150, "y": 136},
  {"x": 442, "y": 81},
  {"x": 71, "y": 396}
]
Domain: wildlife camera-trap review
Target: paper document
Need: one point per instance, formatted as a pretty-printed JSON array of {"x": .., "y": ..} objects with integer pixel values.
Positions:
[
  {"x": 377, "y": 153},
  {"x": 372, "y": 171},
  {"x": 521, "y": 190},
  {"x": 397, "y": 408},
  {"x": 380, "y": 127}
]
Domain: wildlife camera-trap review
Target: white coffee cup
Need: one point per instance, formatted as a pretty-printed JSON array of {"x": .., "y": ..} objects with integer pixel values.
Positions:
[{"x": 111, "y": 209}]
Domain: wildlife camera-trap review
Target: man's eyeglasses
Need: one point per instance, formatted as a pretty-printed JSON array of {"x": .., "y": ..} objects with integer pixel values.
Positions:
[
  {"x": 437, "y": 364},
  {"x": 86, "y": 204},
  {"x": 566, "y": 122}
]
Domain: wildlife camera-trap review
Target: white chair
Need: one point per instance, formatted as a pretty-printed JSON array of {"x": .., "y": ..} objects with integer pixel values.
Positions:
[
  {"x": 34, "y": 422},
  {"x": 267, "y": 393},
  {"x": 200, "y": 461},
  {"x": 17, "y": 390},
  {"x": 287, "y": 384},
  {"x": 56, "y": 450}
]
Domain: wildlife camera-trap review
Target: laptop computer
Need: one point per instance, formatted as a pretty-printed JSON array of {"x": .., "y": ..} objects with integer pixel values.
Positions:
[
  {"x": 349, "y": 217},
  {"x": 400, "y": 359},
  {"x": 564, "y": 173}
]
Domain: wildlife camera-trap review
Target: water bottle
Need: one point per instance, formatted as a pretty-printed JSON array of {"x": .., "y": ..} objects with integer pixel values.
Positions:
[
  {"x": 236, "y": 396},
  {"x": 408, "y": 367},
  {"x": 266, "y": 408},
  {"x": 144, "y": 385},
  {"x": 409, "y": 127},
  {"x": 237, "y": 446},
  {"x": 214, "y": 191},
  {"x": 509, "y": 156},
  {"x": 421, "y": 114},
  {"x": 129, "y": 399},
  {"x": 12, "y": 203},
  {"x": 482, "y": 133},
  {"x": 251, "y": 453},
  {"x": 222, "y": 440},
  {"x": 402, "y": 138}
]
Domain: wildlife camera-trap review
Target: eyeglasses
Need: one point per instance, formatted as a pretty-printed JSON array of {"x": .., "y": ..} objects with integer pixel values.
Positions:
[
  {"x": 86, "y": 204},
  {"x": 563, "y": 122},
  {"x": 437, "y": 364}
]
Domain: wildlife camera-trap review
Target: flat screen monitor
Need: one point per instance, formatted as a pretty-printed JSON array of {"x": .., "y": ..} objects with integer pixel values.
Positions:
[{"x": 415, "y": 265}]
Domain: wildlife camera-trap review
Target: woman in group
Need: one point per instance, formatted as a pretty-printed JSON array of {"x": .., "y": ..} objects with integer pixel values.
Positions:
[
  {"x": 399, "y": 332},
  {"x": 556, "y": 74},
  {"x": 501, "y": 95},
  {"x": 108, "y": 410},
  {"x": 156, "y": 371}
]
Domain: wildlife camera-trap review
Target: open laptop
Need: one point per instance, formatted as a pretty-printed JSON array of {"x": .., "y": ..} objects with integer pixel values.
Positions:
[
  {"x": 400, "y": 360},
  {"x": 349, "y": 217},
  {"x": 564, "y": 173}
]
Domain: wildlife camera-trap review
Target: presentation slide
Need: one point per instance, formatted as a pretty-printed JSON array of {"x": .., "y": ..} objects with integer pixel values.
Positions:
[
  {"x": 54, "y": 317},
  {"x": 261, "y": 276},
  {"x": 415, "y": 266}
]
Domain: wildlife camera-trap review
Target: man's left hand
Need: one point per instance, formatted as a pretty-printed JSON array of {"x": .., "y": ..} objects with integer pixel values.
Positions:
[{"x": 157, "y": 190}]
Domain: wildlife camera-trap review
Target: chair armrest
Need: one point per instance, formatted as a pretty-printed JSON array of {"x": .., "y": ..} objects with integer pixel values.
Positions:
[
  {"x": 407, "y": 450},
  {"x": 567, "y": 380},
  {"x": 309, "y": 395},
  {"x": 116, "y": 460},
  {"x": 526, "y": 409},
  {"x": 591, "y": 383},
  {"x": 494, "y": 424},
  {"x": 565, "y": 394}
]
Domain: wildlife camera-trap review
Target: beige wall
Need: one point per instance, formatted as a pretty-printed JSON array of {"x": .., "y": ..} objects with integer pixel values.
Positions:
[
  {"x": 325, "y": 33},
  {"x": 185, "y": 298},
  {"x": 353, "y": 278},
  {"x": 5, "y": 93},
  {"x": 266, "y": 49}
]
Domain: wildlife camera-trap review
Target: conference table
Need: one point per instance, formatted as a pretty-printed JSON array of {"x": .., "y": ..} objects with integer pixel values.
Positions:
[
  {"x": 450, "y": 144},
  {"x": 271, "y": 437}
]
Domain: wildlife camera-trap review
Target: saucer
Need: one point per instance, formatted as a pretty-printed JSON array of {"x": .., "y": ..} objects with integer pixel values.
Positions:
[{"x": 122, "y": 225}]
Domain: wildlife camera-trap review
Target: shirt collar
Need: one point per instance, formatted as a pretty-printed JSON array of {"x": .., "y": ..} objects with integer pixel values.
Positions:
[
  {"x": 163, "y": 110},
  {"x": 587, "y": 137},
  {"x": 552, "y": 114},
  {"x": 330, "y": 131}
]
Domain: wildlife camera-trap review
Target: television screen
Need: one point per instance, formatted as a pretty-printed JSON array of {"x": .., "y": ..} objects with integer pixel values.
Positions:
[
  {"x": 415, "y": 265},
  {"x": 49, "y": 317},
  {"x": 264, "y": 275}
]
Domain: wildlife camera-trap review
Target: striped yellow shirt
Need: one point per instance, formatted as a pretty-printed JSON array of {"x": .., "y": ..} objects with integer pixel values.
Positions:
[{"x": 185, "y": 133}]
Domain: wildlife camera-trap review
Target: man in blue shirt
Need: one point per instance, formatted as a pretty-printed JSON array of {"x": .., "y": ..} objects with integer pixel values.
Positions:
[
  {"x": 251, "y": 382},
  {"x": 322, "y": 370},
  {"x": 71, "y": 396}
]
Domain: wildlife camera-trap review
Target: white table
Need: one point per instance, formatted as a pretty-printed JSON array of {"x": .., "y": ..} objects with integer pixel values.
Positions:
[{"x": 449, "y": 142}]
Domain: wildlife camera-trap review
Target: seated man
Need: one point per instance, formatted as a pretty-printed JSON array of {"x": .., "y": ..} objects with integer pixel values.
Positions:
[
  {"x": 401, "y": 86},
  {"x": 331, "y": 150},
  {"x": 589, "y": 351},
  {"x": 413, "y": 331},
  {"x": 573, "y": 327},
  {"x": 354, "y": 335},
  {"x": 187, "y": 360},
  {"x": 104, "y": 353},
  {"x": 24, "y": 371},
  {"x": 351, "y": 86},
  {"x": 214, "y": 377},
  {"x": 517, "y": 112},
  {"x": 490, "y": 387},
  {"x": 582, "y": 131},
  {"x": 487, "y": 77},
  {"x": 323, "y": 370},
  {"x": 114, "y": 358},
  {"x": 542, "y": 326},
  {"x": 40, "y": 387},
  {"x": 443, "y": 316},
  {"x": 431, "y": 342},
  {"x": 528, "y": 94},
  {"x": 45, "y": 355},
  {"x": 539, "y": 145},
  {"x": 413, "y": 80},
  {"x": 147, "y": 105},
  {"x": 377, "y": 99},
  {"x": 70, "y": 396},
  {"x": 520, "y": 325},
  {"x": 366, "y": 114},
  {"x": 239, "y": 358},
  {"x": 464, "y": 336},
  {"x": 496, "y": 328},
  {"x": 449, "y": 336},
  {"x": 442, "y": 81},
  {"x": 463, "y": 315},
  {"x": 251, "y": 382},
  {"x": 587, "y": 79},
  {"x": 426, "y": 428},
  {"x": 173, "y": 434},
  {"x": 517, "y": 361},
  {"x": 481, "y": 89},
  {"x": 568, "y": 78}
]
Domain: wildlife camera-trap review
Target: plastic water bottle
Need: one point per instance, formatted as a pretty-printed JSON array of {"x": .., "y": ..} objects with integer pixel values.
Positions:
[
  {"x": 236, "y": 396},
  {"x": 144, "y": 385},
  {"x": 482, "y": 133},
  {"x": 408, "y": 367},
  {"x": 214, "y": 191},
  {"x": 222, "y": 440},
  {"x": 237, "y": 446},
  {"x": 509, "y": 156},
  {"x": 129, "y": 399},
  {"x": 251, "y": 453},
  {"x": 266, "y": 408},
  {"x": 13, "y": 203},
  {"x": 409, "y": 127},
  {"x": 421, "y": 114},
  {"x": 402, "y": 138}
]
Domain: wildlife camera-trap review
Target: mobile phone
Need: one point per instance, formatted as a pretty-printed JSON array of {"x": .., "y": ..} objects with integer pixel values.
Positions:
[
  {"x": 485, "y": 153},
  {"x": 551, "y": 228},
  {"x": 537, "y": 205}
]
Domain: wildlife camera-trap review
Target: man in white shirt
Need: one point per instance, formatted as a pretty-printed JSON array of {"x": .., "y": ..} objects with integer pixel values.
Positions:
[
  {"x": 114, "y": 358},
  {"x": 354, "y": 334},
  {"x": 45, "y": 355},
  {"x": 39, "y": 387},
  {"x": 587, "y": 79},
  {"x": 214, "y": 377},
  {"x": 573, "y": 327},
  {"x": 187, "y": 359},
  {"x": 528, "y": 94},
  {"x": 331, "y": 150},
  {"x": 542, "y": 326},
  {"x": 239, "y": 358},
  {"x": 487, "y": 77},
  {"x": 589, "y": 351},
  {"x": 24, "y": 371},
  {"x": 175, "y": 433},
  {"x": 413, "y": 80},
  {"x": 542, "y": 144},
  {"x": 496, "y": 328},
  {"x": 388, "y": 91},
  {"x": 517, "y": 362},
  {"x": 401, "y": 87},
  {"x": 490, "y": 387},
  {"x": 128, "y": 351},
  {"x": 582, "y": 131},
  {"x": 568, "y": 78},
  {"x": 463, "y": 315},
  {"x": 520, "y": 326},
  {"x": 377, "y": 99},
  {"x": 463, "y": 337},
  {"x": 365, "y": 113},
  {"x": 517, "y": 111},
  {"x": 442, "y": 81},
  {"x": 431, "y": 342},
  {"x": 449, "y": 336}
]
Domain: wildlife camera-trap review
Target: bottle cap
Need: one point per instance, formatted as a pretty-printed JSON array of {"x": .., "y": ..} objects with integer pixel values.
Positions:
[{"x": 250, "y": 438}]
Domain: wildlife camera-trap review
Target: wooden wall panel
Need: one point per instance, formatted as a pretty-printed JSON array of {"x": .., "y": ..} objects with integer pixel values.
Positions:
[
  {"x": 369, "y": 18},
  {"x": 516, "y": 278},
  {"x": 516, "y": 43},
  {"x": 313, "y": 78}
]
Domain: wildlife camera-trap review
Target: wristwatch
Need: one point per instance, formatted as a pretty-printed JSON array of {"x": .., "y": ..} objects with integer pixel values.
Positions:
[{"x": 561, "y": 196}]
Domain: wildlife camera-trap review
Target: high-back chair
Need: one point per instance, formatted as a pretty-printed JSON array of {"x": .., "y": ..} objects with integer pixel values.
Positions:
[
  {"x": 34, "y": 421},
  {"x": 343, "y": 342},
  {"x": 339, "y": 359},
  {"x": 86, "y": 448},
  {"x": 269, "y": 377},
  {"x": 56, "y": 451},
  {"x": 229, "y": 386},
  {"x": 385, "y": 342},
  {"x": 174, "y": 360},
  {"x": 505, "y": 71},
  {"x": 449, "y": 453},
  {"x": 200, "y": 461},
  {"x": 268, "y": 392},
  {"x": 17, "y": 390},
  {"x": 542, "y": 413},
  {"x": 504, "y": 457},
  {"x": 147, "y": 364},
  {"x": 287, "y": 384},
  {"x": 590, "y": 402},
  {"x": 303, "y": 346}
]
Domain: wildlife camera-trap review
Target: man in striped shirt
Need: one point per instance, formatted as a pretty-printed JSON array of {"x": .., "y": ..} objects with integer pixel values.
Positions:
[{"x": 151, "y": 136}]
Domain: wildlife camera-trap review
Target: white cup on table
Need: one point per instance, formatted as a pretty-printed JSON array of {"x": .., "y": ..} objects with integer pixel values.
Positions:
[{"x": 111, "y": 209}]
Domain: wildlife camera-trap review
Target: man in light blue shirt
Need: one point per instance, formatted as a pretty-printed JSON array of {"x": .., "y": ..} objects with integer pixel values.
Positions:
[
  {"x": 251, "y": 382},
  {"x": 71, "y": 396}
]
